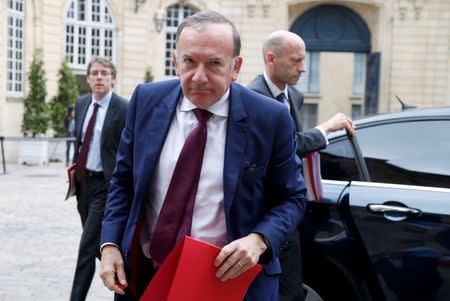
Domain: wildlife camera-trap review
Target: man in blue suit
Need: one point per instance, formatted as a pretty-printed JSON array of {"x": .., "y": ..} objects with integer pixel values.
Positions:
[{"x": 250, "y": 193}]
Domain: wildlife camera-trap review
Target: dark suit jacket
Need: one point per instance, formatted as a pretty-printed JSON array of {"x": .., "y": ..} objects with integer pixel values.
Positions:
[
  {"x": 263, "y": 187},
  {"x": 308, "y": 141},
  {"x": 111, "y": 131}
]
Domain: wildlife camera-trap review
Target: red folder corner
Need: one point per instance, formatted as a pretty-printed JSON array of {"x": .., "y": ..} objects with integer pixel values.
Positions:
[
  {"x": 71, "y": 180},
  {"x": 188, "y": 274},
  {"x": 312, "y": 175}
]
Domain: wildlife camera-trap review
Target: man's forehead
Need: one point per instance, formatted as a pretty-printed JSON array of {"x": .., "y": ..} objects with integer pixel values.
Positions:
[
  {"x": 213, "y": 56},
  {"x": 99, "y": 65},
  {"x": 213, "y": 29}
]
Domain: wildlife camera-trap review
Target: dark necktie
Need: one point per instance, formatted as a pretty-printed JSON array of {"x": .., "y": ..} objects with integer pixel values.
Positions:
[
  {"x": 281, "y": 97},
  {"x": 82, "y": 156},
  {"x": 175, "y": 219}
]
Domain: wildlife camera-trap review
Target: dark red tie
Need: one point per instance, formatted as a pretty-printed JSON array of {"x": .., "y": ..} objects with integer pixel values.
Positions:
[
  {"x": 82, "y": 156},
  {"x": 175, "y": 219}
]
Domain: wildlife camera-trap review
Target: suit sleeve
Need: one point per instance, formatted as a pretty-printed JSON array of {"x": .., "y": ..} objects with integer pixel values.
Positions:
[
  {"x": 285, "y": 188},
  {"x": 120, "y": 192},
  {"x": 309, "y": 141}
]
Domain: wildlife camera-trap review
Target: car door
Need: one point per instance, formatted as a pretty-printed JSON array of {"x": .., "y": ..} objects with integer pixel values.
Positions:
[
  {"x": 403, "y": 217},
  {"x": 406, "y": 232}
]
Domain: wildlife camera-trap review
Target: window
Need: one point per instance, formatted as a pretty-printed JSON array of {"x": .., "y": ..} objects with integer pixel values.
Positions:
[
  {"x": 308, "y": 115},
  {"x": 309, "y": 82},
  {"x": 356, "y": 111},
  {"x": 412, "y": 153},
  {"x": 89, "y": 32},
  {"x": 175, "y": 15},
  {"x": 15, "y": 48},
  {"x": 337, "y": 161},
  {"x": 359, "y": 74}
]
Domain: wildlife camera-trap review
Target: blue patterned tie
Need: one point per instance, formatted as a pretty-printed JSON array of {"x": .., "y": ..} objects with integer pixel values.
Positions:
[{"x": 281, "y": 97}]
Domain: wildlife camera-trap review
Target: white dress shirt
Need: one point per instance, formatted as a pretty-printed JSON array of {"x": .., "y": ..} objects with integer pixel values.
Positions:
[
  {"x": 94, "y": 161},
  {"x": 208, "y": 221}
]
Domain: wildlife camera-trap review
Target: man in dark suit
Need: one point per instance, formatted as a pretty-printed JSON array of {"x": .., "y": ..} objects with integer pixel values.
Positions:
[
  {"x": 99, "y": 121},
  {"x": 250, "y": 192},
  {"x": 284, "y": 53}
]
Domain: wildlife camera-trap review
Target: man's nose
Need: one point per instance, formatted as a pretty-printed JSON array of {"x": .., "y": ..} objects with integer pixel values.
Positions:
[{"x": 200, "y": 74}]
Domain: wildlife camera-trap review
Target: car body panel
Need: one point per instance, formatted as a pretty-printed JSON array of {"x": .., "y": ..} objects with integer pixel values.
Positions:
[
  {"x": 409, "y": 251},
  {"x": 388, "y": 239}
]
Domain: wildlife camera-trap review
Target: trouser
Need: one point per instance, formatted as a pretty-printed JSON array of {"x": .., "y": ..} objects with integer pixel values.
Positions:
[
  {"x": 291, "y": 281},
  {"x": 91, "y": 198},
  {"x": 145, "y": 274}
]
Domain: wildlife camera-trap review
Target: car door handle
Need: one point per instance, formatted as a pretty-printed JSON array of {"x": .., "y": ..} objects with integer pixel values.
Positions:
[{"x": 387, "y": 209}]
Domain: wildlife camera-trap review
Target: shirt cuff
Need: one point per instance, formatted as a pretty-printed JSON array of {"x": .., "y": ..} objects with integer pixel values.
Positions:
[
  {"x": 324, "y": 134},
  {"x": 108, "y": 244}
]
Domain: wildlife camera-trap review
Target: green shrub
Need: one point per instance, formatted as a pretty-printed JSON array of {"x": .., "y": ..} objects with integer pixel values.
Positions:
[
  {"x": 67, "y": 95},
  {"x": 35, "y": 116}
]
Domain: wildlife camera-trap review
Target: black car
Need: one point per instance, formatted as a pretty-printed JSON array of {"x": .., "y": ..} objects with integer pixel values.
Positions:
[{"x": 382, "y": 229}]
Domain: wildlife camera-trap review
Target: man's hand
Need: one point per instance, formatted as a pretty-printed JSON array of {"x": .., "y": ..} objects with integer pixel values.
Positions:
[
  {"x": 338, "y": 122},
  {"x": 239, "y": 256},
  {"x": 112, "y": 269}
]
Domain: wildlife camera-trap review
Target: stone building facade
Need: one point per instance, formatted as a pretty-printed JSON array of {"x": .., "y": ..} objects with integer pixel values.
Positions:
[{"x": 361, "y": 53}]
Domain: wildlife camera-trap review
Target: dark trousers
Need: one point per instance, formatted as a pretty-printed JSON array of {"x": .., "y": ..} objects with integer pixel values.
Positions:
[
  {"x": 291, "y": 281},
  {"x": 91, "y": 197},
  {"x": 144, "y": 276}
]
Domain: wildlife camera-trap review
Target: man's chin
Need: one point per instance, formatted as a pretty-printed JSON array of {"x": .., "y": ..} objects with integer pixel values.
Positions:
[{"x": 202, "y": 101}]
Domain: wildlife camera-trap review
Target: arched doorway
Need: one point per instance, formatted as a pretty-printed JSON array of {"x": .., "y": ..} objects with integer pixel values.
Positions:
[{"x": 334, "y": 28}]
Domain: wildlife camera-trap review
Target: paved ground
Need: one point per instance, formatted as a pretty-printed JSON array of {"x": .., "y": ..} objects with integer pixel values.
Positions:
[{"x": 39, "y": 236}]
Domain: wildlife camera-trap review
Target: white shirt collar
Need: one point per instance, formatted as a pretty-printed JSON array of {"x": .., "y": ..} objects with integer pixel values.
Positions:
[
  {"x": 274, "y": 89},
  {"x": 104, "y": 101}
]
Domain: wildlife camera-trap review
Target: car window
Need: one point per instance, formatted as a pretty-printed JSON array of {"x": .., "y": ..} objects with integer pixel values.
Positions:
[
  {"x": 337, "y": 161},
  {"x": 412, "y": 153}
]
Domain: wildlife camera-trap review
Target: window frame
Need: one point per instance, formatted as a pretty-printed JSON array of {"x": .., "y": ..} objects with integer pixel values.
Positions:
[
  {"x": 182, "y": 12},
  {"x": 359, "y": 74},
  {"x": 15, "y": 56},
  {"x": 309, "y": 82},
  {"x": 89, "y": 31}
]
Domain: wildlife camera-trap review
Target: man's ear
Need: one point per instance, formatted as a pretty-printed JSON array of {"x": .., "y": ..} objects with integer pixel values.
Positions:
[
  {"x": 270, "y": 56},
  {"x": 175, "y": 63},
  {"x": 237, "y": 67}
]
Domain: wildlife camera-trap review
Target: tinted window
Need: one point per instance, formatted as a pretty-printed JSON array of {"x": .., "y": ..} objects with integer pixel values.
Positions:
[
  {"x": 412, "y": 153},
  {"x": 337, "y": 161}
]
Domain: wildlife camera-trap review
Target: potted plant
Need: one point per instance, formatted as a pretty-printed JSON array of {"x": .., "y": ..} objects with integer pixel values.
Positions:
[
  {"x": 59, "y": 110},
  {"x": 32, "y": 149}
]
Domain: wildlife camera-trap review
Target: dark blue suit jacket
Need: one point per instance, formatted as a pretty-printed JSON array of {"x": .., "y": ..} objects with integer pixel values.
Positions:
[{"x": 264, "y": 191}]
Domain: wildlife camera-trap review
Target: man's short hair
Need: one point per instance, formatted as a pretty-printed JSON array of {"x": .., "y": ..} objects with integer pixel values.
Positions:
[
  {"x": 104, "y": 62},
  {"x": 200, "y": 19}
]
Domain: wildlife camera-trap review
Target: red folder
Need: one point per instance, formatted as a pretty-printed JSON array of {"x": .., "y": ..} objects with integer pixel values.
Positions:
[
  {"x": 72, "y": 185},
  {"x": 188, "y": 274},
  {"x": 312, "y": 175}
]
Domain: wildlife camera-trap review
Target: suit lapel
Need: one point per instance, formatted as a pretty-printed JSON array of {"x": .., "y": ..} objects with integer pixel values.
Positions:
[
  {"x": 265, "y": 87},
  {"x": 237, "y": 131},
  {"x": 109, "y": 117},
  {"x": 295, "y": 112},
  {"x": 161, "y": 117},
  {"x": 84, "y": 105}
]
